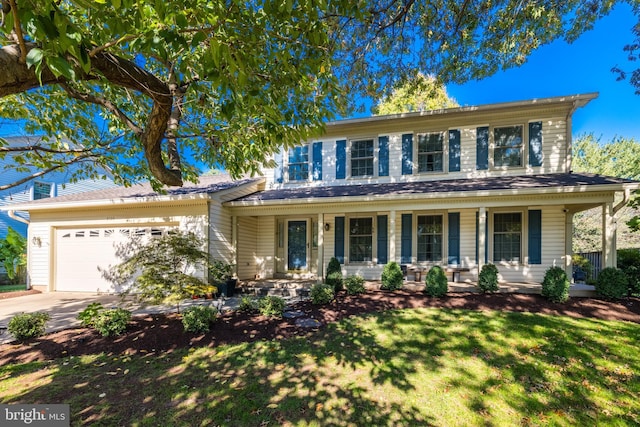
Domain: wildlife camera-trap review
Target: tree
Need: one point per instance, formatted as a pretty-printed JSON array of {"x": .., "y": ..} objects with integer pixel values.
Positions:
[
  {"x": 417, "y": 93},
  {"x": 616, "y": 158},
  {"x": 13, "y": 254},
  {"x": 162, "y": 270},
  {"x": 151, "y": 89}
]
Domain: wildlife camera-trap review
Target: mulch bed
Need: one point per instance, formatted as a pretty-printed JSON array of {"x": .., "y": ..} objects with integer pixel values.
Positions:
[
  {"x": 5, "y": 295},
  {"x": 164, "y": 333}
]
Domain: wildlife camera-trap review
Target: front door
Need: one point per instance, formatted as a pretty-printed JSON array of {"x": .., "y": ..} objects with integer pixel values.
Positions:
[{"x": 297, "y": 245}]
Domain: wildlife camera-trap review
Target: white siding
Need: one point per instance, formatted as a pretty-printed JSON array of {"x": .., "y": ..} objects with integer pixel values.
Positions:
[
  {"x": 265, "y": 259},
  {"x": 247, "y": 245},
  {"x": 220, "y": 233}
]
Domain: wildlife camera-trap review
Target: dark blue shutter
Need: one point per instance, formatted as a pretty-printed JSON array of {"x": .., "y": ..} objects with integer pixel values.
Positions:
[
  {"x": 383, "y": 156},
  {"x": 339, "y": 239},
  {"x": 535, "y": 237},
  {"x": 454, "y": 238},
  {"x": 486, "y": 240},
  {"x": 482, "y": 148},
  {"x": 278, "y": 172},
  {"x": 405, "y": 238},
  {"x": 316, "y": 169},
  {"x": 454, "y": 150},
  {"x": 535, "y": 144},
  {"x": 341, "y": 159},
  {"x": 383, "y": 257},
  {"x": 407, "y": 154}
]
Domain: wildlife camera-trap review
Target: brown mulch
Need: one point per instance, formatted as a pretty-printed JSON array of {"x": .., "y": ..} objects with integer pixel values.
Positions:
[
  {"x": 163, "y": 333},
  {"x": 5, "y": 295}
]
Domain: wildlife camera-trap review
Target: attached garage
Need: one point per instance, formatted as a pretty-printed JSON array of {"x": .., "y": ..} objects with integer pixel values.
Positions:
[{"x": 82, "y": 254}]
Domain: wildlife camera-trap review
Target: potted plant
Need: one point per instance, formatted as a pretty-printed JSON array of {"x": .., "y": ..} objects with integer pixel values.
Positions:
[{"x": 221, "y": 275}]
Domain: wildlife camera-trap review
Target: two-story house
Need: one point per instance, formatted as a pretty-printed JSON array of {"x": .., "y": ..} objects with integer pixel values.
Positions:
[{"x": 459, "y": 187}]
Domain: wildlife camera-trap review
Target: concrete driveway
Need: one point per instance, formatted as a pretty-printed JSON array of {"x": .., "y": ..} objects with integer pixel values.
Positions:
[{"x": 63, "y": 307}]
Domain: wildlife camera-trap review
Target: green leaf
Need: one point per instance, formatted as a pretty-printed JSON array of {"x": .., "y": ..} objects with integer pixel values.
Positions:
[
  {"x": 61, "y": 67},
  {"x": 34, "y": 57}
]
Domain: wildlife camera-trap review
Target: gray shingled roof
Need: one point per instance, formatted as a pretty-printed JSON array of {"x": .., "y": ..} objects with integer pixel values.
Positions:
[
  {"x": 207, "y": 185},
  {"x": 441, "y": 186}
]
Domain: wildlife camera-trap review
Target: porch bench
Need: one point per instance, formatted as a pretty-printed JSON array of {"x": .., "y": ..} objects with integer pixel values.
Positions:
[{"x": 455, "y": 272}]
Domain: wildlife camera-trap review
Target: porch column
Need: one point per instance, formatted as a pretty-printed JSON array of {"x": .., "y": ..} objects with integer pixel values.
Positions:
[
  {"x": 568, "y": 243},
  {"x": 320, "y": 274},
  {"x": 392, "y": 236},
  {"x": 608, "y": 236},
  {"x": 482, "y": 237}
]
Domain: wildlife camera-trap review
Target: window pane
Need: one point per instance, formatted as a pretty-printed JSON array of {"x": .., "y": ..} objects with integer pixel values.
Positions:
[
  {"x": 430, "y": 238},
  {"x": 507, "y": 236},
  {"x": 299, "y": 163},
  {"x": 362, "y": 158},
  {"x": 360, "y": 239},
  {"x": 430, "y": 154},
  {"x": 507, "y": 146}
]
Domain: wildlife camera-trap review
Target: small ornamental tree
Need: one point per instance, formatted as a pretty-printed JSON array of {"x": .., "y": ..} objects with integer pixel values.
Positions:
[
  {"x": 488, "y": 278},
  {"x": 334, "y": 274},
  {"x": 391, "y": 276},
  {"x": 436, "y": 282},
  {"x": 555, "y": 286},
  {"x": 13, "y": 255},
  {"x": 162, "y": 270}
]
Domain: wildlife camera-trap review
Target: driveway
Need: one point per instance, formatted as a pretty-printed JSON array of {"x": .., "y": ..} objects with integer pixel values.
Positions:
[{"x": 63, "y": 307}]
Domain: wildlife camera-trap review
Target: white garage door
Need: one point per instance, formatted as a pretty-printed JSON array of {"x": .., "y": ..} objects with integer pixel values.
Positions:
[{"x": 82, "y": 252}]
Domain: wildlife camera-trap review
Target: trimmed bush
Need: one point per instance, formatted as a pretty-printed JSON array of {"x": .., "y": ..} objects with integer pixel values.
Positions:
[
  {"x": 198, "y": 318},
  {"x": 248, "y": 303},
  {"x": 488, "y": 278},
  {"x": 87, "y": 317},
  {"x": 436, "y": 282},
  {"x": 629, "y": 263},
  {"x": 354, "y": 285},
  {"x": 612, "y": 283},
  {"x": 24, "y": 326},
  {"x": 555, "y": 286},
  {"x": 334, "y": 274},
  {"x": 271, "y": 306},
  {"x": 322, "y": 293},
  {"x": 391, "y": 276},
  {"x": 112, "y": 321}
]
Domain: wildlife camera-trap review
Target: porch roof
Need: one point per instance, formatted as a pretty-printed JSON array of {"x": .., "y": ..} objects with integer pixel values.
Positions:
[{"x": 521, "y": 184}]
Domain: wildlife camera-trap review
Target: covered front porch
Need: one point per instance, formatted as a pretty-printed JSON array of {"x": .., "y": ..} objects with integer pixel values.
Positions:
[{"x": 290, "y": 287}]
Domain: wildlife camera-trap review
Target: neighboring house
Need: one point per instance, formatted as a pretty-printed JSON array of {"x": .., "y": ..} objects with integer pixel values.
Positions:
[{"x": 459, "y": 187}]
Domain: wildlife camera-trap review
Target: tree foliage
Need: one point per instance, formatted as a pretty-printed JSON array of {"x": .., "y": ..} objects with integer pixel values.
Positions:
[
  {"x": 417, "y": 93},
  {"x": 154, "y": 89},
  {"x": 13, "y": 254}
]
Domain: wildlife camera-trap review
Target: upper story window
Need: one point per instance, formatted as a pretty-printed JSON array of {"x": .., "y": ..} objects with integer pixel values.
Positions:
[
  {"x": 508, "y": 146},
  {"x": 507, "y": 236},
  {"x": 431, "y": 152},
  {"x": 299, "y": 163},
  {"x": 362, "y": 158},
  {"x": 41, "y": 190},
  {"x": 360, "y": 239}
]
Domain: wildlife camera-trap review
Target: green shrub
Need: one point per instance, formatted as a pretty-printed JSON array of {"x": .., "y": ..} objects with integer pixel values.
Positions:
[
  {"x": 248, "y": 303},
  {"x": 555, "y": 285},
  {"x": 612, "y": 283},
  {"x": 629, "y": 262},
  {"x": 88, "y": 316},
  {"x": 436, "y": 282},
  {"x": 488, "y": 278},
  {"x": 334, "y": 274},
  {"x": 391, "y": 276},
  {"x": 354, "y": 285},
  {"x": 322, "y": 293},
  {"x": 198, "y": 318},
  {"x": 24, "y": 326},
  {"x": 112, "y": 321},
  {"x": 272, "y": 306}
]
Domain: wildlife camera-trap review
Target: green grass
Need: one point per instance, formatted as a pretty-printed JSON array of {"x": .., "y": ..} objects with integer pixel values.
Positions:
[
  {"x": 408, "y": 367},
  {"x": 13, "y": 288}
]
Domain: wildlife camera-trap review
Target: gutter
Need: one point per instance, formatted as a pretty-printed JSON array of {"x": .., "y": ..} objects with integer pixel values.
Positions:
[
  {"x": 12, "y": 215},
  {"x": 623, "y": 203}
]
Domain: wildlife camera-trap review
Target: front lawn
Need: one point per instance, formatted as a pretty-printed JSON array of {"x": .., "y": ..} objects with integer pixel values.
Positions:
[
  {"x": 13, "y": 288},
  {"x": 404, "y": 367}
]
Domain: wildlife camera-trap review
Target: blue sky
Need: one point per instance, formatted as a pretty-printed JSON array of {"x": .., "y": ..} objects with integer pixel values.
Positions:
[{"x": 566, "y": 69}]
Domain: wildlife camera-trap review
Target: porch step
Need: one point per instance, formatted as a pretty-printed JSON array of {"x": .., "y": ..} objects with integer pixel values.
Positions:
[{"x": 277, "y": 287}]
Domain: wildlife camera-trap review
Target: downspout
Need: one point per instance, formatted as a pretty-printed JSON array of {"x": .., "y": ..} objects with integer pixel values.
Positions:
[
  {"x": 625, "y": 199},
  {"x": 12, "y": 215}
]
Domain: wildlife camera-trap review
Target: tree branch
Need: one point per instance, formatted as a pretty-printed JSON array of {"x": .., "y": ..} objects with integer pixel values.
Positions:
[
  {"x": 45, "y": 171},
  {"x": 18, "y": 30},
  {"x": 108, "y": 105}
]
